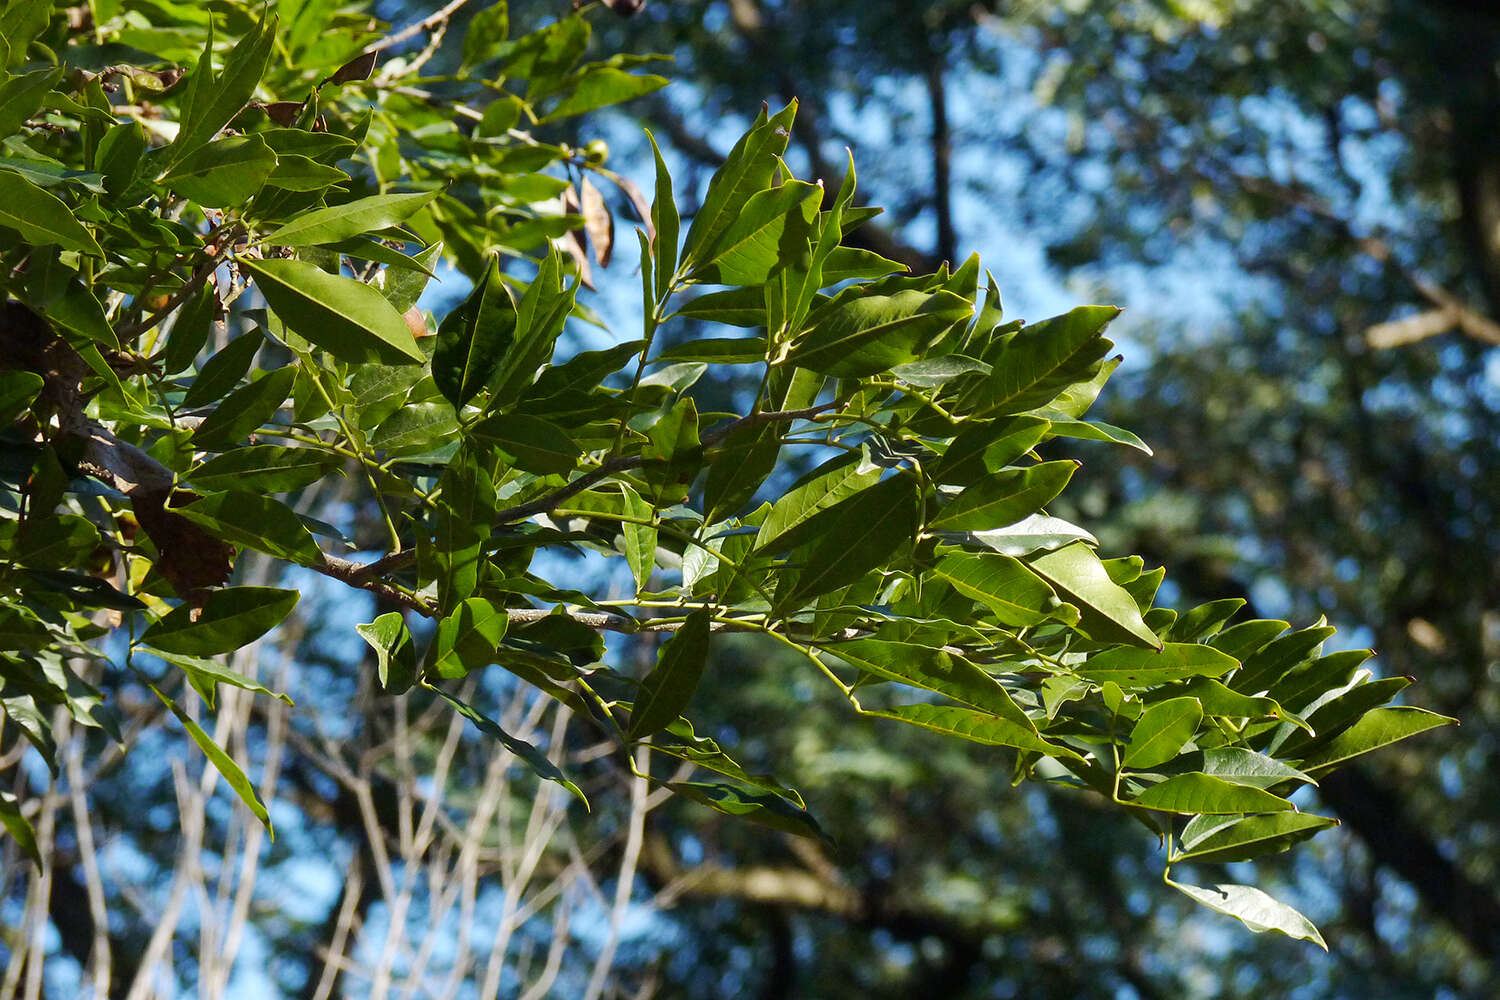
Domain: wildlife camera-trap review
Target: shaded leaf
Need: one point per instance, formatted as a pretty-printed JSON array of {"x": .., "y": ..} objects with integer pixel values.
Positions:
[
  {"x": 229, "y": 619},
  {"x": 668, "y": 688}
]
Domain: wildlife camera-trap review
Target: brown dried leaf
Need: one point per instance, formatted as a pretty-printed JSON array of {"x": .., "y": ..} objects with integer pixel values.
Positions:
[
  {"x": 358, "y": 68},
  {"x": 599, "y": 222}
]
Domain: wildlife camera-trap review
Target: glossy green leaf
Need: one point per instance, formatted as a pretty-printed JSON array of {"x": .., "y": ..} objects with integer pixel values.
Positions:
[
  {"x": 1161, "y": 732},
  {"x": 1042, "y": 360},
  {"x": 1255, "y": 910},
  {"x": 244, "y": 411},
  {"x": 415, "y": 428},
  {"x": 1133, "y": 667},
  {"x": 1095, "y": 430},
  {"x": 294, "y": 172},
  {"x": 1012, "y": 592},
  {"x": 229, "y": 619},
  {"x": 350, "y": 219},
  {"x": 264, "y": 468},
  {"x": 664, "y": 223},
  {"x": 977, "y": 727},
  {"x": 233, "y": 775},
  {"x": 747, "y": 170},
  {"x": 768, "y": 232},
  {"x": 254, "y": 521},
  {"x": 824, "y": 488},
  {"x": 1271, "y": 662},
  {"x": 1197, "y": 793},
  {"x": 466, "y": 639},
  {"x": 1250, "y": 837},
  {"x": 863, "y": 533},
  {"x": 1108, "y": 613},
  {"x": 395, "y": 654},
  {"x": 1037, "y": 533},
  {"x": 474, "y": 338},
  {"x": 540, "y": 316},
  {"x": 530, "y": 443},
  {"x": 766, "y": 809},
  {"x": 203, "y": 669},
  {"x": 932, "y": 670},
  {"x": 534, "y": 758},
  {"x": 41, "y": 217},
  {"x": 667, "y": 689},
  {"x": 987, "y": 447},
  {"x": 347, "y": 318},
  {"x": 21, "y": 96},
  {"x": 1246, "y": 767},
  {"x": 1004, "y": 497},
  {"x": 223, "y": 371},
  {"x": 860, "y": 335},
  {"x": 744, "y": 307},
  {"x": 639, "y": 538},
  {"x": 1381, "y": 727},
  {"x": 212, "y": 100},
  {"x": 601, "y": 86},
  {"x": 222, "y": 173}
]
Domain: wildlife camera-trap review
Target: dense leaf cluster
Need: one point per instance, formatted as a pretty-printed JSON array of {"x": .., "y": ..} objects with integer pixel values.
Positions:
[{"x": 287, "y": 197}]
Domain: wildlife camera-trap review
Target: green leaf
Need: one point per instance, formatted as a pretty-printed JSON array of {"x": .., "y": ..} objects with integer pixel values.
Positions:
[
  {"x": 601, "y": 86},
  {"x": 18, "y": 826},
  {"x": 1133, "y": 667},
  {"x": 666, "y": 691},
  {"x": 467, "y": 639},
  {"x": 540, "y": 316},
  {"x": 415, "y": 428},
  {"x": 461, "y": 525},
  {"x": 224, "y": 370},
  {"x": 246, "y": 409},
  {"x": 530, "y": 443},
  {"x": 17, "y": 390},
  {"x": 978, "y": 727},
  {"x": 254, "y": 521},
  {"x": 1095, "y": 430},
  {"x": 1249, "y": 838},
  {"x": 825, "y": 487},
  {"x": 222, "y": 762},
  {"x": 352, "y": 218},
  {"x": 769, "y": 232},
  {"x": 294, "y": 172},
  {"x": 859, "y": 335},
  {"x": 1197, "y": 793},
  {"x": 869, "y": 528},
  {"x": 640, "y": 539},
  {"x": 681, "y": 742},
  {"x": 1037, "y": 533},
  {"x": 229, "y": 619},
  {"x": 474, "y": 338},
  {"x": 744, "y": 307},
  {"x": 1255, "y": 910},
  {"x": 223, "y": 173},
  {"x": 988, "y": 447},
  {"x": 1004, "y": 497},
  {"x": 395, "y": 655},
  {"x": 1267, "y": 665},
  {"x": 347, "y": 318},
  {"x": 768, "y": 809},
  {"x": 1218, "y": 699},
  {"x": 203, "y": 669},
  {"x": 1380, "y": 728},
  {"x": 264, "y": 468},
  {"x": 1108, "y": 613},
  {"x": 932, "y": 670},
  {"x": 42, "y": 218},
  {"x": 664, "y": 223},
  {"x": 747, "y": 170},
  {"x": 212, "y": 101},
  {"x": 739, "y": 465},
  {"x": 533, "y": 757},
  {"x": 1162, "y": 731},
  {"x": 1246, "y": 767},
  {"x": 80, "y": 316},
  {"x": 716, "y": 351},
  {"x": 486, "y": 34},
  {"x": 1041, "y": 361},
  {"x": 21, "y": 97},
  {"x": 1011, "y": 591}
]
